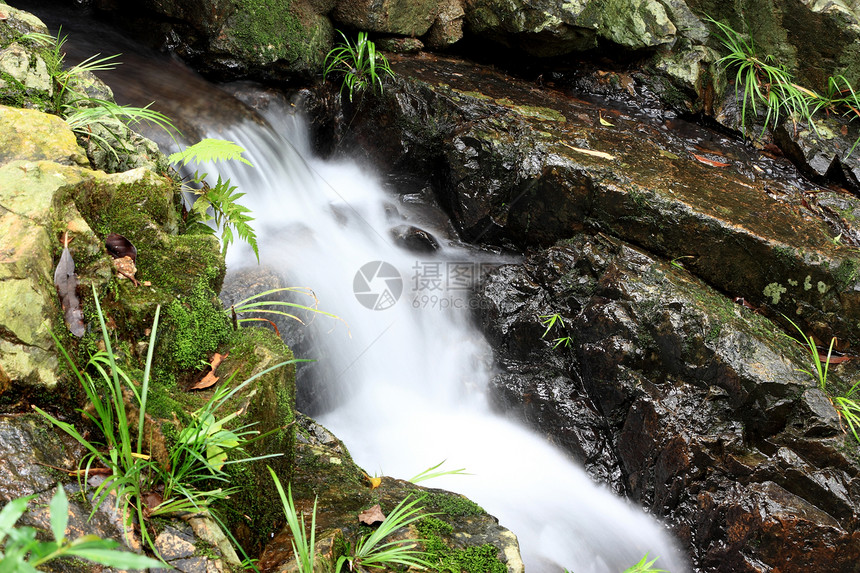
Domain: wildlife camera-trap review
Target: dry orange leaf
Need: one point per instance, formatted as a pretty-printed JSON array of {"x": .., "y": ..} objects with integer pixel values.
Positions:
[
  {"x": 209, "y": 380},
  {"x": 711, "y": 162},
  {"x": 834, "y": 359},
  {"x": 217, "y": 359}
]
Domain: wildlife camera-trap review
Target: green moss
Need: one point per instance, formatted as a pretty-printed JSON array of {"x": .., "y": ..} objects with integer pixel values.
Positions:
[
  {"x": 475, "y": 559},
  {"x": 269, "y": 30},
  {"x": 846, "y": 272},
  {"x": 453, "y": 504},
  {"x": 251, "y": 513},
  {"x": 193, "y": 328}
]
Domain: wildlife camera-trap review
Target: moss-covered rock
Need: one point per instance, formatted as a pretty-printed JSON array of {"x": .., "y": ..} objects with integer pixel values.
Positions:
[
  {"x": 281, "y": 39},
  {"x": 404, "y": 17},
  {"x": 460, "y": 532}
]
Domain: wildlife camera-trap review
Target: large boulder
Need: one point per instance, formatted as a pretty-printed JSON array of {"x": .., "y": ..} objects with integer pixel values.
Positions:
[
  {"x": 514, "y": 166},
  {"x": 402, "y": 17},
  {"x": 690, "y": 404},
  {"x": 556, "y": 28},
  {"x": 233, "y": 39}
]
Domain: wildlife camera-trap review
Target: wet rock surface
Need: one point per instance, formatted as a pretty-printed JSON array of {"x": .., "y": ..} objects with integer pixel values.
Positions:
[
  {"x": 686, "y": 402},
  {"x": 517, "y": 165}
]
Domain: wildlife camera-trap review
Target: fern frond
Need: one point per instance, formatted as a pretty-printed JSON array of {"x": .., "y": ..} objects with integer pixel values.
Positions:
[{"x": 209, "y": 150}]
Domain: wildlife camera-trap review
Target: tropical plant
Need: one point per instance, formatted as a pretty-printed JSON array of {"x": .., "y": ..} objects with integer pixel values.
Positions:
[
  {"x": 253, "y": 305},
  {"x": 430, "y": 473},
  {"x": 304, "y": 545},
  {"x": 840, "y": 95},
  {"x": 360, "y": 64},
  {"x": 141, "y": 486},
  {"x": 761, "y": 81},
  {"x": 217, "y": 204},
  {"x": 821, "y": 366},
  {"x": 83, "y": 112},
  {"x": 847, "y": 407},
  {"x": 129, "y": 467},
  {"x": 645, "y": 566},
  {"x": 370, "y": 551},
  {"x": 22, "y": 552},
  {"x": 767, "y": 83},
  {"x": 550, "y": 321}
]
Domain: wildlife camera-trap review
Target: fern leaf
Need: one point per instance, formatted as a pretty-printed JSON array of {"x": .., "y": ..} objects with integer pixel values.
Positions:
[{"x": 209, "y": 150}]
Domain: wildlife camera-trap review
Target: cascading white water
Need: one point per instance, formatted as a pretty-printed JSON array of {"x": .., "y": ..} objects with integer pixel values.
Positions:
[{"x": 412, "y": 377}]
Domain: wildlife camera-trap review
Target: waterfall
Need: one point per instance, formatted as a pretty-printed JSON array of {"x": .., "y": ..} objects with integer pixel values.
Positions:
[
  {"x": 411, "y": 381},
  {"x": 409, "y": 375}
]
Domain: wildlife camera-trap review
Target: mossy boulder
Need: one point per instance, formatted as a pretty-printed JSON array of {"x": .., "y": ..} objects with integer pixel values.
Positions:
[
  {"x": 233, "y": 39},
  {"x": 459, "y": 532},
  {"x": 403, "y": 17},
  {"x": 25, "y": 77},
  {"x": 45, "y": 195}
]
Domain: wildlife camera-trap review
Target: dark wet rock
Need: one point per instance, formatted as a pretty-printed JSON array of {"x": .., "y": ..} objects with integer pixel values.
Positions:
[
  {"x": 517, "y": 165},
  {"x": 824, "y": 153},
  {"x": 414, "y": 239},
  {"x": 447, "y": 29},
  {"x": 688, "y": 403},
  {"x": 235, "y": 40},
  {"x": 326, "y": 473},
  {"x": 400, "y": 45}
]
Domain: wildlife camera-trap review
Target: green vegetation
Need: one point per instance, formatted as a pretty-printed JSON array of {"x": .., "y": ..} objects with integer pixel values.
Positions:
[
  {"x": 554, "y": 320},
  {"x": 360, "y": 64},
  {"x": 441, "y": 557},
  {"x": 370, "y": 551},
  {"x": 22, "y": 552},
  {"x": 430, "y": 473},
  {"x": 760, "y": 81},
  {"x": 846, "y": 406},
  {"x": 453, "y": 504},
  {"x": 645, "y": 566},
  {"x": 304, "y": 545},
  {"x": 219, "y": 203},
  {"x": 81, "y": 111},
  {"x": 196, "y": 326},
  {"x": 144, "y": 487},
  {"x": 252, "y": 305}
]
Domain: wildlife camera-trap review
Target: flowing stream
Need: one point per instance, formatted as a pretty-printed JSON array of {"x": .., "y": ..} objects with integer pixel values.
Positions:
[{"x": 409, "y": 374}]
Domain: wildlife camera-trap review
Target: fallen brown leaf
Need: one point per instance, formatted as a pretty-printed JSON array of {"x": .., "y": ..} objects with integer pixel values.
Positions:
[
  {"x": 209, "y": 380},
  {"x": 66, "y": 282},
  {"x": 834, "y": 359},
  {"x": 591, "y": 152},
  {"x": 119, "y": 247},
  {"x": 217, "y": 359},
  {"x": 372, "y": 516}
]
